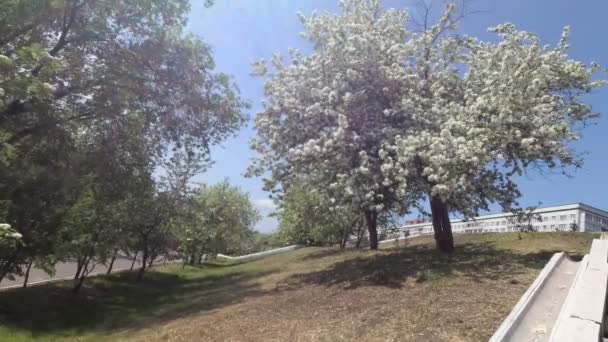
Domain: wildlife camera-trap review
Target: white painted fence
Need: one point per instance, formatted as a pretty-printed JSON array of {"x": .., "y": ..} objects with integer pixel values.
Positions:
[{"x": 258, "y": 255}]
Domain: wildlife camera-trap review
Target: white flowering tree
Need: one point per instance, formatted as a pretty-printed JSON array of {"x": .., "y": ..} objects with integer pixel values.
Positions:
[
  {"x": 485, "y": 112},
  {"x": 8, "y": 236},
  {"x": 382, "y": 118}
]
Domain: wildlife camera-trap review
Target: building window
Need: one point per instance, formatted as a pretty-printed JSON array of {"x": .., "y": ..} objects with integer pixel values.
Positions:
[
  {"x": 545, "y": 219},
  {"x": 563, "y": 217},
  {"x": 573, "y": 216}
]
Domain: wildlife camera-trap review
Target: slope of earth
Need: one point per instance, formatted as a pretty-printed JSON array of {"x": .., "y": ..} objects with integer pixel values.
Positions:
[{"x": 407, "y": 292}]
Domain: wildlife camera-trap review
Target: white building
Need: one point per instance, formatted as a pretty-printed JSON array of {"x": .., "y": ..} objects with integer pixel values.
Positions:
[{"x": 558, "y": 218}]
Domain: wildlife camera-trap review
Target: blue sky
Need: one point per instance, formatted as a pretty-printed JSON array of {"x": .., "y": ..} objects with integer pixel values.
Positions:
[{"x": 241, "y": 31}]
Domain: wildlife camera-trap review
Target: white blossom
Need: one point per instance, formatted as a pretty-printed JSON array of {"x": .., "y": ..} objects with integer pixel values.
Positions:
[{"x": 8, "y": 234}]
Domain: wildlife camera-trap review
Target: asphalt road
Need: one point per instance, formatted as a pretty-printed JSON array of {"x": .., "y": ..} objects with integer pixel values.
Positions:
[{"x": 66, "y": 270}]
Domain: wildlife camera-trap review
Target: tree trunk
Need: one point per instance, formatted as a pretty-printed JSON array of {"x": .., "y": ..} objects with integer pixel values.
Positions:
[
  {"x": 79, "y": 283},
  {"x": 78, "y": 268},
  {"x": 360, "y": 236},
  {"x": 112, "y": 263},
  {"x": 134, "y": 259},
  {"x": 82, "y": 273},
  {"x": 144, "y": 263},
  {"x": 151, "y": 260},
  {"x": 344, "y": 237},
  {"x": 359, "y": 239},
  {"x": 441, "y": 225},
  {"x": 371, "y": 218},
  {"x": 27, "y": 273}
]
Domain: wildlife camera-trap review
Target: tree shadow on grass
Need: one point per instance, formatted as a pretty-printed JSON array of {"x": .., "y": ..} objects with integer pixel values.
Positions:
[
  {"x": 477, "y": 261},
  {"x": 329, "y": 252},
  {"x": 114, "y": 303}
]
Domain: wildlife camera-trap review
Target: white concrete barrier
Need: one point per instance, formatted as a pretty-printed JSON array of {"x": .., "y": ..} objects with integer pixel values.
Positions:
[
  {"x": 581, "y": 310},
  {"x": 258, "y": 255},
  {"x": 403, "y": 238},
  {"x": 582, "y": 316},
  {"x": 507, "y": 329}
]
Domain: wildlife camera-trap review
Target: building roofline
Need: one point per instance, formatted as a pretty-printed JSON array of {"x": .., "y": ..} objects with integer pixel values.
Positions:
[
  {"x": 591, "y": 208},
  {"x": 548, "y": 209}
]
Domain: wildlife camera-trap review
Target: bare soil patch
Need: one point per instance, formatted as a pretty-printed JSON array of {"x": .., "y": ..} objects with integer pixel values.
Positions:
[{"x": 406, "y": 293}]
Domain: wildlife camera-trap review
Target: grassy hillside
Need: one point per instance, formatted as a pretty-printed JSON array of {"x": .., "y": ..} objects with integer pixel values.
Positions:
[{"x": 400, "y": 293}]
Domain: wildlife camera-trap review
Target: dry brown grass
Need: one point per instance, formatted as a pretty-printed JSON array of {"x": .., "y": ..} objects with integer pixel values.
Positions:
[{"x": 409, "y": 293}]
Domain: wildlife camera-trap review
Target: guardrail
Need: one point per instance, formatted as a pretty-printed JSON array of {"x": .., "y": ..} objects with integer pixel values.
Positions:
[{"x": 258, "y": 255}]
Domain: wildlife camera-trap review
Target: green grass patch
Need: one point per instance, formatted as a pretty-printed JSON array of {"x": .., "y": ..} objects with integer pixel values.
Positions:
[{"x": 113, "y": 303}]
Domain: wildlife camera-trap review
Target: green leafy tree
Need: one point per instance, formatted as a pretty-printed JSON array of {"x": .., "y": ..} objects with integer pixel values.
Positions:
[
  {"x": 223, "y": 223},
  {"x": 304, "y": 219},
  {"x": 523, "y": 218},
  {"x": 95, "y": 95}
]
